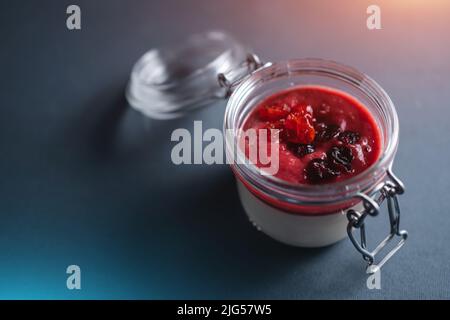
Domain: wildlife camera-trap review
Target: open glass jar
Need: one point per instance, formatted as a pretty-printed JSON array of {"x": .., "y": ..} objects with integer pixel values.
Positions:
[{"x": 216, "y": 66}]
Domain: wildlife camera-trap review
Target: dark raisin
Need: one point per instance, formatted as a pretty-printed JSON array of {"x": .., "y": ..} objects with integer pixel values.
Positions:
[
  {"x": 349, "y": 137},
  {"x": 326, "y": 132},
  {"x": 341, "y": 155},
  {"x": 319, "y": 170},
  {"x": 300, "y": 150}
]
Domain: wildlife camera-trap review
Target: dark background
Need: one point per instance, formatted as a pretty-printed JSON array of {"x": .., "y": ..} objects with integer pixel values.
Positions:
[{"x": 86, "y": 180}]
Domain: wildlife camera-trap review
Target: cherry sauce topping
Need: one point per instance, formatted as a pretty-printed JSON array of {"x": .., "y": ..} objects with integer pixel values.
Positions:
[{"x": 327, "y": 135}]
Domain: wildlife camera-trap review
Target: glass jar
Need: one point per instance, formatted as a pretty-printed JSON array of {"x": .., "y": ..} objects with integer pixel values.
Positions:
[
  {"x": 300, "y": 215},
  {"x": 311, "y": 215}
]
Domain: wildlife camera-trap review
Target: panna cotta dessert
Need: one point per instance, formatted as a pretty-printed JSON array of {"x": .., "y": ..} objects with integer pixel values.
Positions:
[{"x": 337, "y": 136}]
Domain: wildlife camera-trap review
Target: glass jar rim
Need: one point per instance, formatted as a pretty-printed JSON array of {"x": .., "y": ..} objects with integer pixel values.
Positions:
[{"x": 303, "y": 194}]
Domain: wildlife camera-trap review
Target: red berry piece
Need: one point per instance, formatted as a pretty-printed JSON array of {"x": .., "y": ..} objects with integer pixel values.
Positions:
[
  {"x": 299, "y": 129},
  {"x": 319, "y": 171},
  {"x": 349, "y": 137},
  {"x": 274, "y": 112}
]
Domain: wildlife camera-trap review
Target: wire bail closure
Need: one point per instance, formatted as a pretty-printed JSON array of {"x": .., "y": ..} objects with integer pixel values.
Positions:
[{"x": 388, "y": 190}]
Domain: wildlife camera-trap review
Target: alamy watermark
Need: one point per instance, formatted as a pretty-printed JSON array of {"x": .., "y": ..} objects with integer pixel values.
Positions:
[
  {"x": 73, "y": 21},
  {"x": 374, "y": 278},
  {"x": 374, "y": 20},
  {"x": 251, "y": 146},
  {"x": 74, "y": 279}
]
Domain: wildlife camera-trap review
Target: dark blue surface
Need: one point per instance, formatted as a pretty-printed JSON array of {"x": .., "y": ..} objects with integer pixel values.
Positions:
[{"x": 86, "y": 180}]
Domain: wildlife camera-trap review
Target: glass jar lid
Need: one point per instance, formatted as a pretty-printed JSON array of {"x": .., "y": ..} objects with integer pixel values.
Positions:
[{"x": 168, "y": 82}]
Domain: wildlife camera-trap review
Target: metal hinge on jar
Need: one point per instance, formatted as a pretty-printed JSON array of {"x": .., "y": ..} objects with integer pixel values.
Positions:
[
  {"x": 234, "y": 77},
  {"x": 388, "y": 191}
]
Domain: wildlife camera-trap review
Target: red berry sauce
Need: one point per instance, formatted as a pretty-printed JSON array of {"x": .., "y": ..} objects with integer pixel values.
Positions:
[{"x": 325, "y": 135}]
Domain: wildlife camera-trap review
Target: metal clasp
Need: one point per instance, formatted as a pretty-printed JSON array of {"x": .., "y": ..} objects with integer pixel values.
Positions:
[
  {"x": 229, "y": 82},
  {"x": 389, "y": 190}
]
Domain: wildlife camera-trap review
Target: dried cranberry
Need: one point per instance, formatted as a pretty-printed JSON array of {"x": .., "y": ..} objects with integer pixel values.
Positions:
[
  {"x": 319, "y": 170},
  {"x": 326, "y": 132},
  {"x": 341, "y": 155},
  {"x": 299, "y": 128},
  {"x": 349, "y": 137},
  {"x": 300, "y": 150}
]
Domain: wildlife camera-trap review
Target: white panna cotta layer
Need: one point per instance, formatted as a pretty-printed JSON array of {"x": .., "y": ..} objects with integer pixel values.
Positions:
[{"x": 294, "y": 229}]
